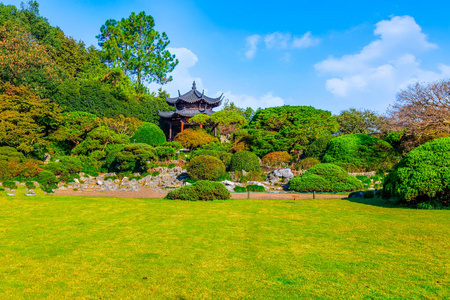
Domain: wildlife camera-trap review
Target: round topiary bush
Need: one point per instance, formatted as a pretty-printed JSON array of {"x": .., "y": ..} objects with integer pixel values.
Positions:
[
  {"x": 150, "y": 134},
  {"x": 200, "y": 190},
  {"x": 255, "y": 188},
  {"x": 244, "y": 160},
  {"x": 194, "y": 138},
  {"x": 277, "y": 158},
  {"x": 206, "y": 167},
  {"x": 325, "y": 178},
  {"x": 422, "y": 175},
  {"x": 225, "y": 157},
  {"x": 360, "y": 152}
]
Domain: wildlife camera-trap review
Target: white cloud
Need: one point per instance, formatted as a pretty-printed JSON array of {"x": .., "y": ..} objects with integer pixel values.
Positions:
[
  {"x": 244, "y": 101},
  {"x": 279, "y": 40},
  {"x": 182, "y": 77},
  {"x": 252, "y": 45},
  {"x": 384, "y": 66}
]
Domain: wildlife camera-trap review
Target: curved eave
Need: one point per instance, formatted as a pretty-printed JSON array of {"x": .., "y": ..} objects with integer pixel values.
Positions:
[
  {"x": 194, "y": 96},
  {"x": 186, "y": 113}
]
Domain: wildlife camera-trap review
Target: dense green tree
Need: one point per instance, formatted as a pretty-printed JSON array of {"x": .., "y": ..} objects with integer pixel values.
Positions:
[
  {"x": 359, "y": 121},
  {"x": 360, "y": 152},
  {"x": 247, "y": 113},
  {"x": 295, "y": 126},
  {"x": 134, "y": 45},
  {"x": 25, "y": 118}
]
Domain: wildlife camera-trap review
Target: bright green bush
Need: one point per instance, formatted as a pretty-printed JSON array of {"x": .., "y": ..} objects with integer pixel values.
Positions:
[
  {"x": 10, "y": 185},
  {"x": 239, "y": 189},
  {"x": 325, "y": 178},
  {"x": 174, "y": 145},
  {"x": 200, "y": 190},
  {"x": 150, "y": 134},
  {"x": 225, "y": 157},
  {"x": 165, "y": 153},
  {"x": 360, "y": 152},
  {"x": 318, "y": 147},
  {"x": 29, "y": 185},
  {"x": 65, "y": 168},
  {"x": 255, "y": 188},
  {"x": 206, "y": 167},
  {"x": 47, "y": 181},
  {"x": 422, "y": 175},
  {"x": 244, "y": 160}
]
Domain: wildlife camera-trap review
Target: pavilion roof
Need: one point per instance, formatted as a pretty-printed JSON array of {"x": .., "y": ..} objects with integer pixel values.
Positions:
[
  {"x": 187, "y": 113},
  {"x": 194, "y": 96}
]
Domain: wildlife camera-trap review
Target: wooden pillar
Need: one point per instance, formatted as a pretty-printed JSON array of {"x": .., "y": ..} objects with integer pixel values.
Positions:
[
  {"x": 182, "y": 126},
  {"x": 201, "y": 125},
  {"x": 170, "y": 131}
]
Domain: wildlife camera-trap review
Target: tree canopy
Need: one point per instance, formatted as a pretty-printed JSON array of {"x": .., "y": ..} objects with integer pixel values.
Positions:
[{"x": 135, "y": 46}]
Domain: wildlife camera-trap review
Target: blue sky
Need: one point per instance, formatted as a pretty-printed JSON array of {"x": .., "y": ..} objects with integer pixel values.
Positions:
[{"x": 333, "y": 55}]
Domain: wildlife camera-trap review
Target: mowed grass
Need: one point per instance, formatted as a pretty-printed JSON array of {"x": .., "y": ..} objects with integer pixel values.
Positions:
[{"x": 115, "y": 248}]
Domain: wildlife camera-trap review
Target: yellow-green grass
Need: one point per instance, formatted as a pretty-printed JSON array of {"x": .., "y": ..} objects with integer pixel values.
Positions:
[{"x": 115, "y": 248}]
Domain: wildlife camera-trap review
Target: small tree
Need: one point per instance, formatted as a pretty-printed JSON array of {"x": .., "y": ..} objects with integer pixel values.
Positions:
[{"x": 194, "y": 138}]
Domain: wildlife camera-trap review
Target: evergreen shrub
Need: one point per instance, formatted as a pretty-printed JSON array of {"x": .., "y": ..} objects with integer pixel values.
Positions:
[
  {"x": 325, "y": 178},
  {"x": 65, "y": 168},
  {"x": 165, "y": 153},
  {"x": 318, "y": 147},
  {"x": 200, "y": 190},
  {"x": 225, "y": 157},
  {"x": 255, "y": 188},
  {"x": 174, "y": 145},
  {"x": 149, "y": 133},
  {"x": 10, "y": 185},
  {"x": 206, "y": 167},
  {"x": 359, "y": 153},
  {"x": 239, "y": 189},
  {"x": 277, "y": 158},
  {"x": 244, "y": 160},
  {"x": 423, "y": 175},
  {"x": 130, "y": 158},
  {"x": 194, "y": 138},
  {"x": 47, "y": 181}
]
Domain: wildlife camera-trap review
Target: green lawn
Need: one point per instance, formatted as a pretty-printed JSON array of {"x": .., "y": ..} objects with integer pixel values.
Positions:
[{"x": 111, "y": 248}]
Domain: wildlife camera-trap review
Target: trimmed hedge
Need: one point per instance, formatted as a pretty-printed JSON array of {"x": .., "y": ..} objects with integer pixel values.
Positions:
[
  {"x": 150, "y": 134},
  {"x": 206, "y": 167},
  {"x": 255, "y": 188},
  {"x": 47, "y": 181},
  {"x": 165, "y": 153},
  {"x": 423, "y": 175},
  {"x": 325, "y": 178},
  {"x": 65, "y": 168},
  {"x": 225, "y": 157},
  {"x": 244, "y": 160},
  {"x": 131, "y": 157},
  {"x": 360, "y": 152},
  {"x": 194, "y": 138},
  {"x": 239, "y": 189},
  {"x": 200, "y": 190},
  {"x": 307, "y": 163}
]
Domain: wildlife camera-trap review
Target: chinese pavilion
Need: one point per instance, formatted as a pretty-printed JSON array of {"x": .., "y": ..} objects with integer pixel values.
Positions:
[{"x": 186, "y": 106}]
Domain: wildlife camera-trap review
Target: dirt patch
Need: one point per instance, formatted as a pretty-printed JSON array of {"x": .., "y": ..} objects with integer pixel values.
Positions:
[{"x": 150, "y": 193}]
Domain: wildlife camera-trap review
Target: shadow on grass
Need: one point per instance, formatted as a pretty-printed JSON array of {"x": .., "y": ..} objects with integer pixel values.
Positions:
[{"x": 376, "y": 202}]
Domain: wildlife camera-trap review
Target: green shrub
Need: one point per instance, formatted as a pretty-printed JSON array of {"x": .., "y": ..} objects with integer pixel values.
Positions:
[
  {"x": 65, "y": 168},
  {"x": 325, "y": 178},
  {"x": 174, "y": 145},
  {"x": 277, "y": 158},
  {"x": 150, "y": 134},
  {"x": 200, "y": 190},
  {"x": 194, "y": 138},
  {"x": 29, "y": 185},
  {"x": 206, "y": 167},
  {"x": 244, "y": 160},
  {"x": 253, "y": 176},
  {"x": 318, "y": 147},
  {"x": 239, "y": 189},
  {"x": 255, "y": 188},
  {"x": 130, "y": 158},
  {"x": 47, "y": 181},
  {"x": 360, "y": 152},
  {"x": 225, "y": 157},
  {"x": 10, "y": 185},
  {"x": 165, "y": 153},
  {"x": 216, "y": 146},
  {"x": 307, "y": 163},
  {"x": 422, "y": 175}
]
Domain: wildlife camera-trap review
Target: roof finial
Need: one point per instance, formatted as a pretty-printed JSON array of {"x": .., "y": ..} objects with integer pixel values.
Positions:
[{"x": 194, "y": 87}]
